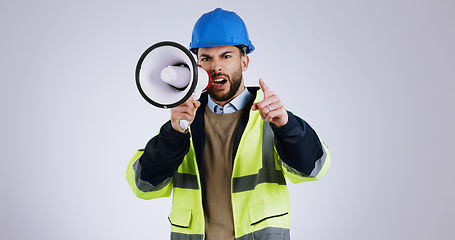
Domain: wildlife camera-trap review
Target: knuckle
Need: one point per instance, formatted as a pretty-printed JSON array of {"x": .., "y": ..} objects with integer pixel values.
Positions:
[{"x": 260, "y": 105}]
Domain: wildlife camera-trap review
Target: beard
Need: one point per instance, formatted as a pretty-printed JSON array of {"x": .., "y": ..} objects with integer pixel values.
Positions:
[{"x": 235, "y": 80}]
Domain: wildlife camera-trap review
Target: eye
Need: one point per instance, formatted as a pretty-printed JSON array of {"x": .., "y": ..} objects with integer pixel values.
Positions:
[
  {"x": 205, "y": 59},
  {"x": 227, "y": 56}
]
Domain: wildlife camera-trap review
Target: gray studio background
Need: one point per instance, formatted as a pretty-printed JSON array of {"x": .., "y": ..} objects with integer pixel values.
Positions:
[{"x": 374, "y": 78}]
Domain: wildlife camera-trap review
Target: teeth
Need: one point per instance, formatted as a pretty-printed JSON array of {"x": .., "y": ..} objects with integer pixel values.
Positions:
[{"x": 218, "y": 80}]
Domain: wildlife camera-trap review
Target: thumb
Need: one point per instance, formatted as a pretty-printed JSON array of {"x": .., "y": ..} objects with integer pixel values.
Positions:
[{"x": 254, "y": 107}]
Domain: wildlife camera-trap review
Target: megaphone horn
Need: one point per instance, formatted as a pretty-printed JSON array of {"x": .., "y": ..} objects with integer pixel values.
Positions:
[{"x": 167, "y": 75}]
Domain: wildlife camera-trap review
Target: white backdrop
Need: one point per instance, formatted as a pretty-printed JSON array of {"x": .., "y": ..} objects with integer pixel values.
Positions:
[{"x": 374, "y": 78}]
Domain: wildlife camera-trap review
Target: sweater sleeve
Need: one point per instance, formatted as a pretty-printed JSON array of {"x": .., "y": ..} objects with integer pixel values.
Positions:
[
  {"x": 163, "y": 154},
  {"x": 299, "y": 146}
]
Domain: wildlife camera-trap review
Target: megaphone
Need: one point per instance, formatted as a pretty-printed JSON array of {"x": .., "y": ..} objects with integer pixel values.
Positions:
[{"x": 167, "y": 75}]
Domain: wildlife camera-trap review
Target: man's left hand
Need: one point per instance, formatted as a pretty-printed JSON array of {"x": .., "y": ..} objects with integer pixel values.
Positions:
[{"x": 271, "y": 108}]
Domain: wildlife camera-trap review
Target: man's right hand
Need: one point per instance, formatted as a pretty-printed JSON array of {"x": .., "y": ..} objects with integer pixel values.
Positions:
[{"x": 186, "y": 111}]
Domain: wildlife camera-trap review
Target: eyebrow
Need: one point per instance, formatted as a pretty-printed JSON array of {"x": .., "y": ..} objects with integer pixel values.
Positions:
[
  {"x": 204, "y": 55},
  {"x": 224, "y": 53}
]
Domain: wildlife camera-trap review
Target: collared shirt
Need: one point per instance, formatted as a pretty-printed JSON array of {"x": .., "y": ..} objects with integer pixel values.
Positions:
[{"x": 234, "y": 105}]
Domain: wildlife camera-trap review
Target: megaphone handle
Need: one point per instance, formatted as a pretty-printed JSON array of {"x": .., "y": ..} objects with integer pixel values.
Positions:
[{"x": 184, "y": 124}]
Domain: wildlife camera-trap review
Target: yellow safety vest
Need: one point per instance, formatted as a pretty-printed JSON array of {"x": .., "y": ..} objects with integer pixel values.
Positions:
[{"x": 260, "y": 198}]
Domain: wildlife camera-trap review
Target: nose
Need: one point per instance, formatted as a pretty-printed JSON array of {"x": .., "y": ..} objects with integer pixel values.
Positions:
[{"x": 216, "y": 66}]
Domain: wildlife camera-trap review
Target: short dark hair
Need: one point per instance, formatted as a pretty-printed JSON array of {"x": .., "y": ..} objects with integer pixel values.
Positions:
[{"x": 243, "y": 49}]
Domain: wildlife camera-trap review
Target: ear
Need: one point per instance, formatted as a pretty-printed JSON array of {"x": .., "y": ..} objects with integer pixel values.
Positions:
[{"x": 245, "y": 60}]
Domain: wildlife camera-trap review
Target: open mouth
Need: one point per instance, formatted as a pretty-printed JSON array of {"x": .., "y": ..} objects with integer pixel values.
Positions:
[{"x": 219, "y": 81}]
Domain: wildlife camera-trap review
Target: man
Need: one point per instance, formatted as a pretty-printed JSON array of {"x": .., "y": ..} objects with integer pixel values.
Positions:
[{"x": 227, "y": 171}]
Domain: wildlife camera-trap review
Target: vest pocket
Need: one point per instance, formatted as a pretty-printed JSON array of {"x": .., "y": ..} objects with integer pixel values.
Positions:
[
  {"x": 180, "y": 218},
  {"x": 262, "y": 212}
]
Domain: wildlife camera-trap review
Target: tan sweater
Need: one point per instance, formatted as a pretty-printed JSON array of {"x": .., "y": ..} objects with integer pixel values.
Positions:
[{"x": 220, "y": 131}]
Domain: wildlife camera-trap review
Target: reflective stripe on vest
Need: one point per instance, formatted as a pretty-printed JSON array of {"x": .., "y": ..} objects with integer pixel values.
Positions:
[
  {"x": 186, "y": 181},
  {"x": 181, "y": 180},
  {"x": 270, "y": 233},
  {"x": 145, "y": 186},
  {"x": 268, "y": 173},
  {"x": 182, "y": 236}
]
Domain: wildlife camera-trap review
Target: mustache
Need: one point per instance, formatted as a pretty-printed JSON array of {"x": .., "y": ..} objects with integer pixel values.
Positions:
[{"x": 214, "y": 75}]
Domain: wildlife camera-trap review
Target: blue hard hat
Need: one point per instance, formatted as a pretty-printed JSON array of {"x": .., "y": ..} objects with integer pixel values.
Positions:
[{"x": 220, "y": 28}]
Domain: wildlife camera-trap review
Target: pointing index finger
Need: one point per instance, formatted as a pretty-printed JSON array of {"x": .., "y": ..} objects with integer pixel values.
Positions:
[{"x": 265, "y": 89}]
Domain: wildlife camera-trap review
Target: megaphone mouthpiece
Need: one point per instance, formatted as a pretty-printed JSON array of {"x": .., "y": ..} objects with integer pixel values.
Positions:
[{"x": 178, "y": 77}]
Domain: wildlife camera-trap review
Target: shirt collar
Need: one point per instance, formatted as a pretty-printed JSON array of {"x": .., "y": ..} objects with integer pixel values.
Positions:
[{"x": 234, "y": 105}]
